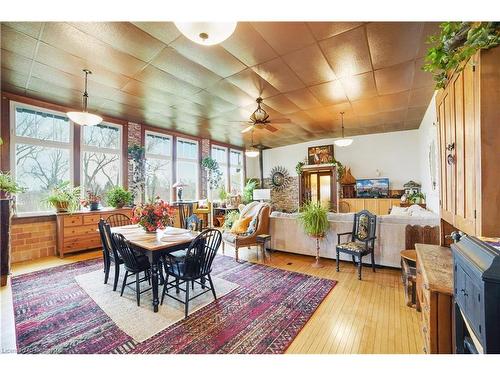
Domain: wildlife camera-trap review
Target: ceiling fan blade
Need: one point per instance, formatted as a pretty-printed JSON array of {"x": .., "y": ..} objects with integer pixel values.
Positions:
[
  {"x": 247, "y": 129},
  {"x": 271, "y": 128},
  {"x": 243, "y": 122},
  {"x": 281, "y": 121}
]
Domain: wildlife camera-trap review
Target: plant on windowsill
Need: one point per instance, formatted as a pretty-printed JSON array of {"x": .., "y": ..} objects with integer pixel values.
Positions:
[
  {"x": 118, "y": 197},
  {"x": 313, "y": 218},
  {"x": 92, "y": 201},
  {"x": 8, "y": 187},
  {"x": 223, "y": 196},
  {"x": 64, "y": 197}
]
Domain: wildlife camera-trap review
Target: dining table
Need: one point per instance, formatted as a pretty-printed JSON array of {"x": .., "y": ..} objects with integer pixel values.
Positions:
[{"x": 155, "y": 245}]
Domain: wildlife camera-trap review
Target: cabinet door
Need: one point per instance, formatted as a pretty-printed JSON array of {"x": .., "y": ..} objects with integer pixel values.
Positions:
[
  {"x": 371, "y": 205},
  {"x": 384, "y": 205},
  {"x": 463, "y": 106}
]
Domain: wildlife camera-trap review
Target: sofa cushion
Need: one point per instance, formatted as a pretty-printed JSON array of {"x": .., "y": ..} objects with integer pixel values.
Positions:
[
  {"x": 352, "y": 246},
  {"x": 252, "y": 227},
  {"x": 229, "y": 237},
  {"x": 240, "y": 226}
]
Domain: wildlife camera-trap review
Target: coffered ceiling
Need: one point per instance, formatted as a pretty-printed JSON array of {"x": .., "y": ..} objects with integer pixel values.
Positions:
[{"x": 307, "y": 72}]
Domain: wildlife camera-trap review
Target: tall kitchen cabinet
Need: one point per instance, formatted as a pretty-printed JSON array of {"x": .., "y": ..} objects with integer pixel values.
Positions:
[{"x": 468, "y": 112}]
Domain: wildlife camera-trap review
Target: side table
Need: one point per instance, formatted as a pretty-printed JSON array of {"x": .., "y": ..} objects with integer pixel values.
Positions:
[{"x": 262, "y": 240}]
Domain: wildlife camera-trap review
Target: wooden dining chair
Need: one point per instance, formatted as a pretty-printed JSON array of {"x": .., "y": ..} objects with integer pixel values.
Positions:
[
  {"x": 194, "y": 267},
  {"x": 110, "y": 255},
  {"x": 118, "y": 220}
]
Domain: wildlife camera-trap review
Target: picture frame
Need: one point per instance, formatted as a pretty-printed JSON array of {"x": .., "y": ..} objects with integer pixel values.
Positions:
[{"x": 320, "y": 154}]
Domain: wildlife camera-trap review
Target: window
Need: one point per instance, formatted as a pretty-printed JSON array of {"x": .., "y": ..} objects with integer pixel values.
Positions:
[
  {"x": 158, "y": 166},
  {"x": 236, "y": 171},
  {"x": 101, "y": 158},
  {"x": 219, "y": 154},
  {"x": 187, "y": 167},
  {"x": 41, "y": 153}
]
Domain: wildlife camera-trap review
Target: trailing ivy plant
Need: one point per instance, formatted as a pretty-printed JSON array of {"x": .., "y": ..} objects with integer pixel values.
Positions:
[
  {"x": 456, "y": 43},
  {"x": 136, "y": 154},
  {"x": 214, "y": 172}
]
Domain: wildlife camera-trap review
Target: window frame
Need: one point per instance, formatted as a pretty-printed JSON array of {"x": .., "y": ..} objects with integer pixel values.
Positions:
[
  {"x": 223, "y": 165},
  {"x": 162, "y": 157},
  {"x": 14, "y": 140},
  {"x": 197, "y": 160},
  {"x": 242, "y": 166}
]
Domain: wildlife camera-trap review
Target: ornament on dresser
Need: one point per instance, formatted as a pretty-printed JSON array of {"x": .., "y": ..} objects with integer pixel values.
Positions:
[
  {"x": 280, "y": 178},
  {"x": 348, "y": 184}
]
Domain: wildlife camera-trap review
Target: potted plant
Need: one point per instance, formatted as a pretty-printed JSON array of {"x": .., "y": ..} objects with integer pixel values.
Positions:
[
  {"x": 8, "y": 188},
  {"x": 153, "y": 215},
  {"x": 250, "y": 186},
  {"x": 64, "y": 197},
  {"x": 92, "y": 201},
  {"x": 118, "y": 197},
  {"x": 223, "y": 195},
  {"x": 136, "y": 155},
  {"x": 229, "y": 219},
  {"x": 314, "y": 220},
  {"x": 416, "y": 198}
]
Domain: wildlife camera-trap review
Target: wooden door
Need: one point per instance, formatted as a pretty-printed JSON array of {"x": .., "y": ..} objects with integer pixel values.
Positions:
[{"x": 465, "y": 166}]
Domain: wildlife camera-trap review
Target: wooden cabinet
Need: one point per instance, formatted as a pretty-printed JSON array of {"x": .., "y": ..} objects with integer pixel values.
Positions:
[
  {"x": 435, "y": 297},
  {"x": 377, "y": 206},
  {"x": 469, "y": 140},
  {"x": 78, "y": 231}
]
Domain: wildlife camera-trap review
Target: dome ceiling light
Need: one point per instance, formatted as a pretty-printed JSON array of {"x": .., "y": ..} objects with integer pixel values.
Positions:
[
  {"x": 83, "y": 117},
  {"x": 206, "y": 33},
  {"x": 343, "y": 142},
  {"x": 252, "y": 151}
]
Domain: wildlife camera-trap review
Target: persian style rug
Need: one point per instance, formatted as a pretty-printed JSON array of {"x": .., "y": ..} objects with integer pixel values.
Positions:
[{"x": 263, "y": 313}]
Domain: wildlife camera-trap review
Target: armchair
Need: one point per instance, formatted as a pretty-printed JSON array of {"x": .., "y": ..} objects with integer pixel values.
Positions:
[
  {"x": 240, "y": 240},
  {"x": 362, "y": 241}
]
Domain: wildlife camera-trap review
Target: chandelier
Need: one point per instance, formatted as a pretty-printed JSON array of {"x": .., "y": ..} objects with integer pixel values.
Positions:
[
  {"x": 343, "y": 142},
  {"x": 83, "y": 117}
]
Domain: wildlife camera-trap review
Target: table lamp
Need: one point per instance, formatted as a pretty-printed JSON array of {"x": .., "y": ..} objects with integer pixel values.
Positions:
[
  {"x": 179, "y": 185},
  {"x": 262, "y": 194}
]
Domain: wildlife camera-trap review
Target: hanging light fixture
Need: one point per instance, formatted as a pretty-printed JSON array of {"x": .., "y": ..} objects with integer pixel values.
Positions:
[
  {"x": 343, "y": 142},
  {"x": 252, "y": 151},
  {"x": 83, "y": 117},
  {"x": 206, "y": 33}
]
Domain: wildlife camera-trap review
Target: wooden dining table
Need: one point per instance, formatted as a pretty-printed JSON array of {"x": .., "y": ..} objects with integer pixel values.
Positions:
[{"x": 152, "y": 245}]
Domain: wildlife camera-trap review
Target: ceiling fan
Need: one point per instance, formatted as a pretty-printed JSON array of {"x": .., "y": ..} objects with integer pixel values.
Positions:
[{"x": 259, "y": 119}]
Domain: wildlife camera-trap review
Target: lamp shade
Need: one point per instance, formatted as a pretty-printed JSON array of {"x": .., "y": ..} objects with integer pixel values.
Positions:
[
  {"x": 343, "y": 142},
  {"x": 261, "y": 194},
  {"x": 252, "y": 152},
  {"x": 206, "y": 33},
  {"x": 84, "y": 118}
]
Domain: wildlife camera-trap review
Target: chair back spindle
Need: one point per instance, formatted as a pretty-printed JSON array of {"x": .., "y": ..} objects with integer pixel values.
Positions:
[
  {"x": 118, "y": 220},
  {"x": 126, "y": 253},
  {"x": 201, "y": 253}
]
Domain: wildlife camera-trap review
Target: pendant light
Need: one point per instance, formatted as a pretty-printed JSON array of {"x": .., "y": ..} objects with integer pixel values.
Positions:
[
  {"x": 252, "y": 151},
  {"x": 206, "y": 33},
  {"x": 343, "y": 142},
  {"x": 83, "y": 117}
]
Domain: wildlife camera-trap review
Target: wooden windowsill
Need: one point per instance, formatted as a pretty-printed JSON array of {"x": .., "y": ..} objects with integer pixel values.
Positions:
[{"x": 33, "y": 218}]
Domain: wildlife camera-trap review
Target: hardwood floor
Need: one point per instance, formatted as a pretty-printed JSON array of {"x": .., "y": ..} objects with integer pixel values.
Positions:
[{"x": 368, "y": 316}]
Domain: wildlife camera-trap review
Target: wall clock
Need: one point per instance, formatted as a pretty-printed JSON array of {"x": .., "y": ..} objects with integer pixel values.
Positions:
[{"x": 280, "y": 178}]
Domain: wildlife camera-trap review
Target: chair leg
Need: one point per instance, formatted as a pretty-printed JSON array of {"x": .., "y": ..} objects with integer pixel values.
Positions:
[
  {"x": 236, "y": 252},
  {"x": 177, "y": 286},
  {"x": 359, "y": 267},
  {"x": 124, "y": 282},
  {"x": 223, "y": 247},
  {"x": 117, "y": 276},
  {"x": 137, "y": 289},
  {"x": 373, "y": 261},
  {"x": 192, "y": 284},
  {"x": 106, "y": 272},
  {"x": 186, "y": 307},
  {"x": 212, "y": 286},
  {"x": 337, "y": 260},
  {"x": 353, "y": 260}
]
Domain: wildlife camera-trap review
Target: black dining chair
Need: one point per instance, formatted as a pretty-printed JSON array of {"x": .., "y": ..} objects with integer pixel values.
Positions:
[
  {"x": 110, "y": 255},
  {"x": 134, "y": 264},
  {"x": 118, "y": 220},
  {"x": 362, "y": 241},
  {"x": 194, "y": 267}
]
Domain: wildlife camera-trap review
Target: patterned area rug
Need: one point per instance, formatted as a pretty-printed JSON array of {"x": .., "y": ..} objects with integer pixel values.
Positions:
[{"x": 263, "y": 314}]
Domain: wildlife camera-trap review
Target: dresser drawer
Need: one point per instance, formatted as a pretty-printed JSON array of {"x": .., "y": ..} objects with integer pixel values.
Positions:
[
  {"x": 81, "y": 230},
  {"x": 91, "y": 219},
  {"x": 72, "y": 220},
  {"x": 77, "y": 244}
]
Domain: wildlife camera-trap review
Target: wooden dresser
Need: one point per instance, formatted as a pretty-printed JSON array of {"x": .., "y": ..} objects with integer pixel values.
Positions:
[
  {"x": 78, "y": 231},
  {"x": 435, "y": 297},
  {"x": 378, "y": 206}
]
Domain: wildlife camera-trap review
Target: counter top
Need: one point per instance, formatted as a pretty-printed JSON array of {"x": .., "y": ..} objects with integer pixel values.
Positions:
[{"x": 436, "y": 264}]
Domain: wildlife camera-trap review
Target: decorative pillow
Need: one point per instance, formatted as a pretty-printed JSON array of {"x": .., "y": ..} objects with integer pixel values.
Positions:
[
  {"x": 203, "y": 203},
  {"x": 240, "y": 226},
  {"x": 252, "y": 227},
  {"x": 399, "y": 211}
]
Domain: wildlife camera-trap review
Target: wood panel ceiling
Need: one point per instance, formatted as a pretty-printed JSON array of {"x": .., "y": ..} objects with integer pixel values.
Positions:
[{"x": 308, "y": 72}]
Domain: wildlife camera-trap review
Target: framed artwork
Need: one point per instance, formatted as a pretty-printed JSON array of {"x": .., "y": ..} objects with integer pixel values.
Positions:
[
  {"x": 320, "y": 154},
  {"x": 372, "y": 188}
]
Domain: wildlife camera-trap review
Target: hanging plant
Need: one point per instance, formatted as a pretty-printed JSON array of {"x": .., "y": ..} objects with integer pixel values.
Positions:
[
  {"x": 298, "y": 167},
  {"x": 456, "y": 43},
  {"x": 338, "y": 167},
  {"x": 136, "y": 154},
  {"x": 214, "y": 172}
]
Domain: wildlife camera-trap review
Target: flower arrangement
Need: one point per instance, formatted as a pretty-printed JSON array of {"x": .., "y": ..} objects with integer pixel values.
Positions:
[
  {"x": 153, "y": 215},
  {"x": 91, "y": 201}
]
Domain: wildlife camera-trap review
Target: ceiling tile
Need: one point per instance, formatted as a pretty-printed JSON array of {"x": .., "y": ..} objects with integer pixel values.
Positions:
[
  {"x": 395, "y": 78},
  {"x": 358, "y": 87},
  {"x": 161, "y": 80},
  {"x": 148, "y": 93},
  {"x": 165, "y": 32},
  {"x": 348, "y": 53},
  {"x": 421, "y": 96},
  {"x": 230, "y": 93},
  {"x": 17, "y": 42},
  {"x": 430, "y": 28},
  {"x": 14, "y": 78},
  {"x": 285, "y": 37},
  {"x": 310, "y": 65},
  {"x": 416, "y": 113},
  {"x": 279, "y": 75},
  {"x": 15, "y": 62},
  {"x": 282, "y": 104},
  {"x": 329, "y": 92},
  {"x": 392, "y": 43},
  {"x": 324, "y": 30},
  {"x": 248, "y": 45},
  {"x": 421, "y": 78},
  {"x": 303, "y": 98},
  {"x": 215, "y": 58},
  {"x": 123, "y": 36},
  {"x": 394, "y": 117},
  {"x": 393, "y": 102},
  {"x": 212, "y": 102},
  {"x": 31, "y": 29},
  {"x": 172, "y": 62},
  {"x": 252, "y": 84},
  {"x": 366, "y": 106}
]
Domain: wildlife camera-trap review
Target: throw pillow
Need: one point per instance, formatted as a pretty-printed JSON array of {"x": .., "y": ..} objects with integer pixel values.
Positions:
[
  {"x": 240, "y": 226},
  {"x": 399, "y": 211},
  {"x": 252, "y": 227}
]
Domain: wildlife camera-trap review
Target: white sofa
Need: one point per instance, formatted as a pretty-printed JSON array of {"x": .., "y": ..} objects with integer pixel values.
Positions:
[{"x": 287, "y": 235}]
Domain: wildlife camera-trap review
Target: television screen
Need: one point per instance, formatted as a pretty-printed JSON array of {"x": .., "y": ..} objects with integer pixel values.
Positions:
[{"x": 372, "y": 188}]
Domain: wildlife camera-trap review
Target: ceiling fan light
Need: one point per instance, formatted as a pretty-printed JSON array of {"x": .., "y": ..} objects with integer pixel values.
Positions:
[
  {"x": 206, "y": 33},
  {"x": 84, "y": 118},
  {"x": 343, "y": 142}
]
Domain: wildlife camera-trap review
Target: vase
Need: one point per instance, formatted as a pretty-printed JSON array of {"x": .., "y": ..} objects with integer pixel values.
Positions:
[
  {"x": 94, "y": 206},
  {"x": 62, "y": 206}
]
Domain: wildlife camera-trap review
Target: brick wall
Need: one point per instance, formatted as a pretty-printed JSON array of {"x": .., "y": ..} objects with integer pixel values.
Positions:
[
  {"x": 286, "y": 200},
  {"x": 205, "y": 151},
  {"x": 32, "y": 240}
]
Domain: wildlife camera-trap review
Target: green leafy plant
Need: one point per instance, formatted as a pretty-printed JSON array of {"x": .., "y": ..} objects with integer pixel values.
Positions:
[
  {"x": 214, "y": 172},
  {"x": 313, "y": 218},
  {"x": 247, "y": 195},
  {"x": 64, "y": 197},
  {"x": 223, "y": 194},
  {"x": 118, "y": 197},
  {"x": 8, "y": 185},
  {"x": 416, "y": 197},
  {"x": 230, "y": 218},
  {"x": 136, "y": 154},
  {"x": 456, "y": 43},
  {"x": 298, "y": 167}
]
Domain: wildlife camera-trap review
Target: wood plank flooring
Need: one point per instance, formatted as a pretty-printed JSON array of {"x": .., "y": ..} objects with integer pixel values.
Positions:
[{"x": 368, "y": 316}]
